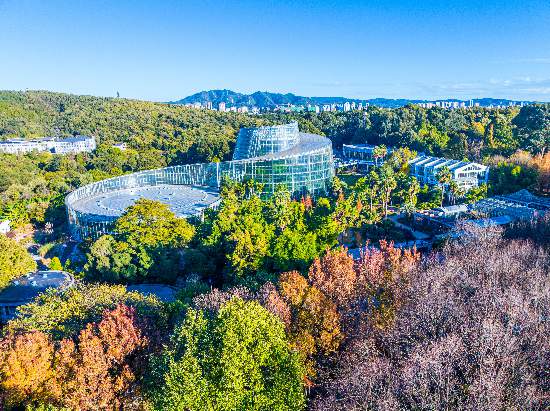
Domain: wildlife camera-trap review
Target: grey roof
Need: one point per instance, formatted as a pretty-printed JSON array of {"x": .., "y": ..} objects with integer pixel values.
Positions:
[
  {"x": 164, "y": 293},
  {"x": 25, "y": 288},
  {"x": 183, "y": 200}
]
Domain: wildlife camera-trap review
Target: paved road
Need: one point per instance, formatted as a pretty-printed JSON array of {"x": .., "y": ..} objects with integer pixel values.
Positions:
[{"x": 418, "y": 235}]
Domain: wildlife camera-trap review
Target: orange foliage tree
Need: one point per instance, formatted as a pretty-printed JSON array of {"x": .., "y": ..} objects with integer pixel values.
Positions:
[
  {"x": 314, "y": 327},
  {"x": 335, "y": 275},
  {"x": 97, "y": 371}
]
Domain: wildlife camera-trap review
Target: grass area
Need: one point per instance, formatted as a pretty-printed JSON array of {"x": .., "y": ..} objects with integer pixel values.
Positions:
[{"x": 349, "y": 178}]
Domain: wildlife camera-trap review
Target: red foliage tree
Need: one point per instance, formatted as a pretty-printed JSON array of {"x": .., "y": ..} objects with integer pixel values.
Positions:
[{"x": 335, "y": 275}]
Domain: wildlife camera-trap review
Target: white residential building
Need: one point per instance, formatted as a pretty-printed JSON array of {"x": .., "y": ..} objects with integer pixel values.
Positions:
[
  {"x": 77, "y": 144},
  {"x": 425, "y": 168},
  {"x": 466, "y": 174}
]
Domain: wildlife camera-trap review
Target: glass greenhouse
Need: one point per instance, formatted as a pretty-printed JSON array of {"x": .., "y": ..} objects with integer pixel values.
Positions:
[{"x": 273, "y": 155}]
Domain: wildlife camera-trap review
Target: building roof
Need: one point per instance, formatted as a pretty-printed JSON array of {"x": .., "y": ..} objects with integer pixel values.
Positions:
[
  {"x": 183, "y": 200},
  {"x": 492, "y": 221},
  {"x": 164, "y": 293},
  {"x": 26, "y": 287}
]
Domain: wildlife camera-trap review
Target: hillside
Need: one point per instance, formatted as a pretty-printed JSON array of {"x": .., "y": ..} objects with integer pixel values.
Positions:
[
  {"x": 267, "y": 99},
  {"x": 174, "y": 131}
]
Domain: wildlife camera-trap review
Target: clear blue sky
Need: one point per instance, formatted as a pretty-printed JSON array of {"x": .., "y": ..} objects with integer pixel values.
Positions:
[{"x": 165, "y": 50}]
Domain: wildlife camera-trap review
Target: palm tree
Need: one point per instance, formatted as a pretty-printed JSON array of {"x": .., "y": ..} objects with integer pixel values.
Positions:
[
  {"x": 409, "y": 209},
  {"x": 455, "y": 191},
  {"x": 388, "y": 183},
  {"x": 444, "y": 177},
  {"x": 412, "y": 190},
  {"x": 379, "y": 152}
]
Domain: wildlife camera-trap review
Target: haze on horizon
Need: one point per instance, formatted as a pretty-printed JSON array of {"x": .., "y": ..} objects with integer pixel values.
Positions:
[{"x": 167, "y": 50}]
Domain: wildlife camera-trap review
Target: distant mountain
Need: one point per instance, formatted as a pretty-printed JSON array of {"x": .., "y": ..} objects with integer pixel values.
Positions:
[{"x": 265, "y": 99}]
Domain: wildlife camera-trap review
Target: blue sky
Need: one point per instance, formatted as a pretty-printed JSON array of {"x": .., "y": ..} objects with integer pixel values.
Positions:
[{"x": 165, "y": 50}]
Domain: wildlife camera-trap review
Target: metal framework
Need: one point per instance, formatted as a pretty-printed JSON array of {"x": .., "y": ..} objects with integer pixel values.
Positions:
[{"x": 273, "y": 156}]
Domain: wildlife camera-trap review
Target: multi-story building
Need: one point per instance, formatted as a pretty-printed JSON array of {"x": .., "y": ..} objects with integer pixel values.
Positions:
[
  {"x": 77, "y": 144},
  {"x": 425, "y": 168},
  {"x": 466, "y": 174},
  {"x": 347, "y": 106},
  {"x": 221, "y": 106}
]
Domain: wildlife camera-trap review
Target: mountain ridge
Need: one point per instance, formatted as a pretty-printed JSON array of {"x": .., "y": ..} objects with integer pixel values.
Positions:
[{"x": 268, "y": 99}]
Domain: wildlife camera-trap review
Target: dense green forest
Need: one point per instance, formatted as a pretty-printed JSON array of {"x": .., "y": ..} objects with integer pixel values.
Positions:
[{"x": 271, "y": 313}]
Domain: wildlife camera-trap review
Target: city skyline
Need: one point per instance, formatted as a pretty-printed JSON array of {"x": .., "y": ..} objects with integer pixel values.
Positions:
[{"x": 161, "y": 52}]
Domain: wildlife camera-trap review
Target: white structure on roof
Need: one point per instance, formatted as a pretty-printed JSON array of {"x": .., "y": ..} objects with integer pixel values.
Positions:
[
  {"x": 5, "y": 226},
  {"x": 76, "y": 144},
  {"x": 464, "y": 173}
]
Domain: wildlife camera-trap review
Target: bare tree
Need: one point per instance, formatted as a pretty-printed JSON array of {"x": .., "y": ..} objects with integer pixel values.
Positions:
[{"x": 472, "y": 332}]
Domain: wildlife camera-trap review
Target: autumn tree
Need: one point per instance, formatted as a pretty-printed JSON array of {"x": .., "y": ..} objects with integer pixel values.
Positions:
[
  {"x": 96, "y": 370},
  {"x": 334, "y": 274},
  {"x": 470, "y": 333},
  {"x": 101, "y": 369},
  {"x": 27, "y": 373},
  {"x": 382, "y": 274},
  {"x": 314, "y": 326}
]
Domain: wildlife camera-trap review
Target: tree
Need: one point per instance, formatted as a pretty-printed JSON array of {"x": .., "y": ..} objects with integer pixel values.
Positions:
[
  {"x": 462, "y": 337},
  {"x": 98, "y": 371},
  {"x": 443, "y": 177},
  {"x": 55, "y": 264},
  {"x": 147, "y": 243},
  {"x": 14, "y": 261},
  {"x": 314, "y": 327},
  {"x": 413, "y": 188},
  {"x": 455, "y": 191},
  {"x": 379, "y": 152},
  {"x": 238, "y": 359},
  {"x": 533, "y": 127},
  {"x": 335, "y": 275},
  {"x": 387, "y": 184},
  {"x": 27, "y": 373},
  {"x": 476, "y": 193},
  {"x": 64, "y": 313}
]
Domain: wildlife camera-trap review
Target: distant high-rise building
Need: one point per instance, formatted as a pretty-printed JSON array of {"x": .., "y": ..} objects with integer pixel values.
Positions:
[
  {"x": 353, "y": 105},
  {"x": 208, "y": 105},
  {"x": 360, "y": 106},
  {"x": 347, "y": 106},
  {"x": 221, "y": 106}
]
